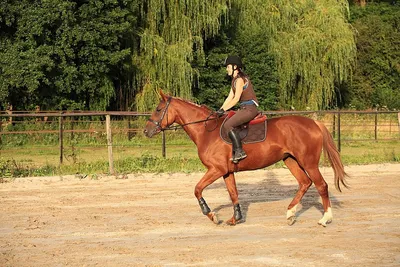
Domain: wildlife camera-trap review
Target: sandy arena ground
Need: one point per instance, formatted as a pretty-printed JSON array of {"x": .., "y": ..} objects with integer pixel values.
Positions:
[{"x": 154, "y": 220}]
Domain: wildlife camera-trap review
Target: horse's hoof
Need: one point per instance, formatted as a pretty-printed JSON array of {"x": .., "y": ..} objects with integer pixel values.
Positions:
[
  {"x": 213, "y": 217},
  {"x": 327, "y": 218},
  {"x": 231, "y": 222},
  {"x": 291, "y": 220},
  {"x": 323, "y": 222}
]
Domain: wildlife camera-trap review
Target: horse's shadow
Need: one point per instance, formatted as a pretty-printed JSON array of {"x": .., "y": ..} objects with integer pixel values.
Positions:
[{"x": 270, "y": 190}]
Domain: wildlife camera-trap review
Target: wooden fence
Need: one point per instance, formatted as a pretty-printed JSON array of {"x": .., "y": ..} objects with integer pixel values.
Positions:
[{"x": 332, "y": 119}]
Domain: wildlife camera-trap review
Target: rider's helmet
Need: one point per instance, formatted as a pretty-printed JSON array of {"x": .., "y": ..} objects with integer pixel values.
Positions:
[{"x": 233, "y": 60}]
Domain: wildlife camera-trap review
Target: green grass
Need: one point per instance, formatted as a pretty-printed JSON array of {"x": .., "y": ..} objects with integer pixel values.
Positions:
[
  {"x": 370, "y": 152},
  {"x": 31, "y": 161},
  {"x": 37, "y": 154}
]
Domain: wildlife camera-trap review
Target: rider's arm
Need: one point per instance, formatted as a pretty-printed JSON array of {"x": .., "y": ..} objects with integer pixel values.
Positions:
[
  {"x": 228, "y": 99},
  {"x": 236, "y": 96}
]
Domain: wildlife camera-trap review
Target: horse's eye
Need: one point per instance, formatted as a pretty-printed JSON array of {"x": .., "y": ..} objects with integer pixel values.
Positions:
[{"x": 158, "y": 109}]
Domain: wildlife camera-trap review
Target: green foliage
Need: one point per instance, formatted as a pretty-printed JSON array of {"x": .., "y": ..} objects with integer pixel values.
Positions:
[
  {"x": 376, "y": 80},
  {"x": 61, "y": 54},
  {"x": 213, "y": 86},
  {"x": 294, "y": 51},
  {"x": 260, "y": 66},
  {"x": 171, "y": 38},
  {"x": 117, "y": 54},
  {"x": 12, "y": 169},
  {"x": 312, "y": 43}
]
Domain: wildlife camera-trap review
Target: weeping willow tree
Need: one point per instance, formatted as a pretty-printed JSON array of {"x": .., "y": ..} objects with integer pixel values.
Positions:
[
  {"x": 313, "y": 44},
  {"x": 172, "y": 36}
]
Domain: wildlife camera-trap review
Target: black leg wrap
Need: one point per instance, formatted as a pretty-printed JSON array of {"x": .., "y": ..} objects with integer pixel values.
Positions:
[
  {"x": 237, "y": 213},
  {"x": 204, "y": 207}
]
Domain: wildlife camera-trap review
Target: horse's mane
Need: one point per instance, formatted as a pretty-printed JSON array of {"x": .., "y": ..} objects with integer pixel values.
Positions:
[{"x": 202, "y": 106}]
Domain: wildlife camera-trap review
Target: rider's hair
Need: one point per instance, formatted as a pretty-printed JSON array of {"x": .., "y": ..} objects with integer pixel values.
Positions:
[{"x": 242, "y": 74}]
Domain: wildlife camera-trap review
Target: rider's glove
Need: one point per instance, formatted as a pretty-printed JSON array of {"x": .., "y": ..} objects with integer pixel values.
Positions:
[{"x": 220, "y": 112}]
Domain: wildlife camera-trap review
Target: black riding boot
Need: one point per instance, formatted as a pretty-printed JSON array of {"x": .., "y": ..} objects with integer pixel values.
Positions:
[{"x": 238, "y": 152}]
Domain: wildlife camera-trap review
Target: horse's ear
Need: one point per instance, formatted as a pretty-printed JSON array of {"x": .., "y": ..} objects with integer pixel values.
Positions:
[{"x": 163, "y": 96}]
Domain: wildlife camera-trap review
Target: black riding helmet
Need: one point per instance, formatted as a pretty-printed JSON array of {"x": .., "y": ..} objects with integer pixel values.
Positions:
[{"x": 234, "y": 60}]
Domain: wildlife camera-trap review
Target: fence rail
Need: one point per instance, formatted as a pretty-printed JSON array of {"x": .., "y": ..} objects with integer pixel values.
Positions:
[{"x": 369, "y": 125}]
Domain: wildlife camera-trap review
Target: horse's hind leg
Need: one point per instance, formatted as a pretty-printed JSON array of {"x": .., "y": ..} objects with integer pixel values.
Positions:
[
  {"x": 230, "y": 183},
  {"x": 304, "y": 183},
  {"x": 322, "y": 187}
]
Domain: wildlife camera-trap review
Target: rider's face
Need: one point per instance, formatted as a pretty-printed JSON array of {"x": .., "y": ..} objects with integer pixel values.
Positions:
[{"x": 229, "y": 70}]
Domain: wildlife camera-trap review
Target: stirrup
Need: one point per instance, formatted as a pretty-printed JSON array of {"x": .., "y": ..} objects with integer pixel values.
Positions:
[{"x": 238, "y": 155}]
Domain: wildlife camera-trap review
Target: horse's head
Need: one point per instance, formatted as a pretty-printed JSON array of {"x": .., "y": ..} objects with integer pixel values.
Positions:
[{"x": 161, "y": 117}]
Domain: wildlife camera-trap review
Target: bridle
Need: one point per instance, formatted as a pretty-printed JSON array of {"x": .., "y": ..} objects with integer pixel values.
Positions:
[
  {"x": 159, "y": 128},
  {"x": 158, "y": 123}
]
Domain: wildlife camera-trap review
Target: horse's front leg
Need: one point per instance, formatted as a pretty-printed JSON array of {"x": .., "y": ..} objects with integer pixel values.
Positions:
[
  {"x": 230, "y": 183},
  {"x": 210, "y": 177}
]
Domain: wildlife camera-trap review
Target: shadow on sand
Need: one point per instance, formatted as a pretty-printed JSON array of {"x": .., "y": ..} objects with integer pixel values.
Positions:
[{"x": 270, "y": 190}]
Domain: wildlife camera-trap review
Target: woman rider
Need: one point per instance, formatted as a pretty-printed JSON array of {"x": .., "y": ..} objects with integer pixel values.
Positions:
[{"x": 241, "y": 91}]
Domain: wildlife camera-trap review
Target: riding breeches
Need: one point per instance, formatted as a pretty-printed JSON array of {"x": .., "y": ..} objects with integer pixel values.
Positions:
[{"x": 243, "y": 115}]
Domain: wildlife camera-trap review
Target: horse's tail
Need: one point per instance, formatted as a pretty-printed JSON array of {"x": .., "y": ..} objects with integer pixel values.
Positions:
[{"x": 332, "y": 154}]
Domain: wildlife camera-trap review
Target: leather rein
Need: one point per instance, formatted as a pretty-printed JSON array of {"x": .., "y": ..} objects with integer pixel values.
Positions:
[{"x": 165, "y": 113}]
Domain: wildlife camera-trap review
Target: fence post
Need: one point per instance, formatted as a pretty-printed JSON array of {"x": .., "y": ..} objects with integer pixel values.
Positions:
[
  {"x": 72, "y": 141},
  {"x": 109, "y": 144},
  {"x": 334, "y": 126},
  {"x": 398, "y": 118},
  {"x": 60, "y": 137},
  {"x": 376, "y": 125},
  {"x": 129, "y": 128},
  {"x": 338, "y": 124},
  {"x": 163, "y": 144},
  {"x": 1, "y": 136}
]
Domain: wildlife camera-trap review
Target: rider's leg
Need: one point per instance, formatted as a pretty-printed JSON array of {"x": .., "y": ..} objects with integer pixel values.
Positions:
[
  {"x": 239, "y": 153},
  {"x": 244, "y": 115}
]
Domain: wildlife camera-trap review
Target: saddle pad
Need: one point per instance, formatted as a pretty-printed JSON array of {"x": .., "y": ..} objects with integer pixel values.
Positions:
[{"x": 249, "y": 133}]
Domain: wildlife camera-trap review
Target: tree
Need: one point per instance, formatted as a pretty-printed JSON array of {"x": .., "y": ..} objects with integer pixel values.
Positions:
[
  {"x": 100, "y": 54},
  {"x": 376, "y": 80},
  {"x": 62, "y": 54},
  {"x": 296, "y": 52},
  {"x": 259, "y": 64},
  {"x": 313, "y": 45},
  {"x": 171, "y": 38}
]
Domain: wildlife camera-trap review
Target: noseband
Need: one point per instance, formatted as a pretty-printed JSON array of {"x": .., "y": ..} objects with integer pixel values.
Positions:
[{"x": 158, "y": 123}]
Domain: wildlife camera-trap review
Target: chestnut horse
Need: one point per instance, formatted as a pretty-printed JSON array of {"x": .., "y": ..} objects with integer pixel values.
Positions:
[{"x": 296, "y": 140}]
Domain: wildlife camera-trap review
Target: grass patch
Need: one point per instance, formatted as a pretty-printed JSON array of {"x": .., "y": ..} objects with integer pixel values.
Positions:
[
  {"x": 13, "y": 169},
  {"x": 37, "y": 154},
  {"x": 147, "y": 159}
]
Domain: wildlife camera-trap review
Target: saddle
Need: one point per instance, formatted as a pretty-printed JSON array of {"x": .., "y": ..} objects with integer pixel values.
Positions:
[{"x": 252, "y": 132}]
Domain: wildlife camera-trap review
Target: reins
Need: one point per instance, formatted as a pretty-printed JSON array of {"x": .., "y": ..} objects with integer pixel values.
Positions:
[
  {"x": 158, "y": 123},
  {"x": 193, "y": 122}
]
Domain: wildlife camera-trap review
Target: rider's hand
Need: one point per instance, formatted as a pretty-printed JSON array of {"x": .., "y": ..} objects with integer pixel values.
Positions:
[{"x": 220, "y": 112}]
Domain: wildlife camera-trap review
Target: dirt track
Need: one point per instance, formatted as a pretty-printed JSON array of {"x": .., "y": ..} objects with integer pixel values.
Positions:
[{"x": 154, "y": 220}]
